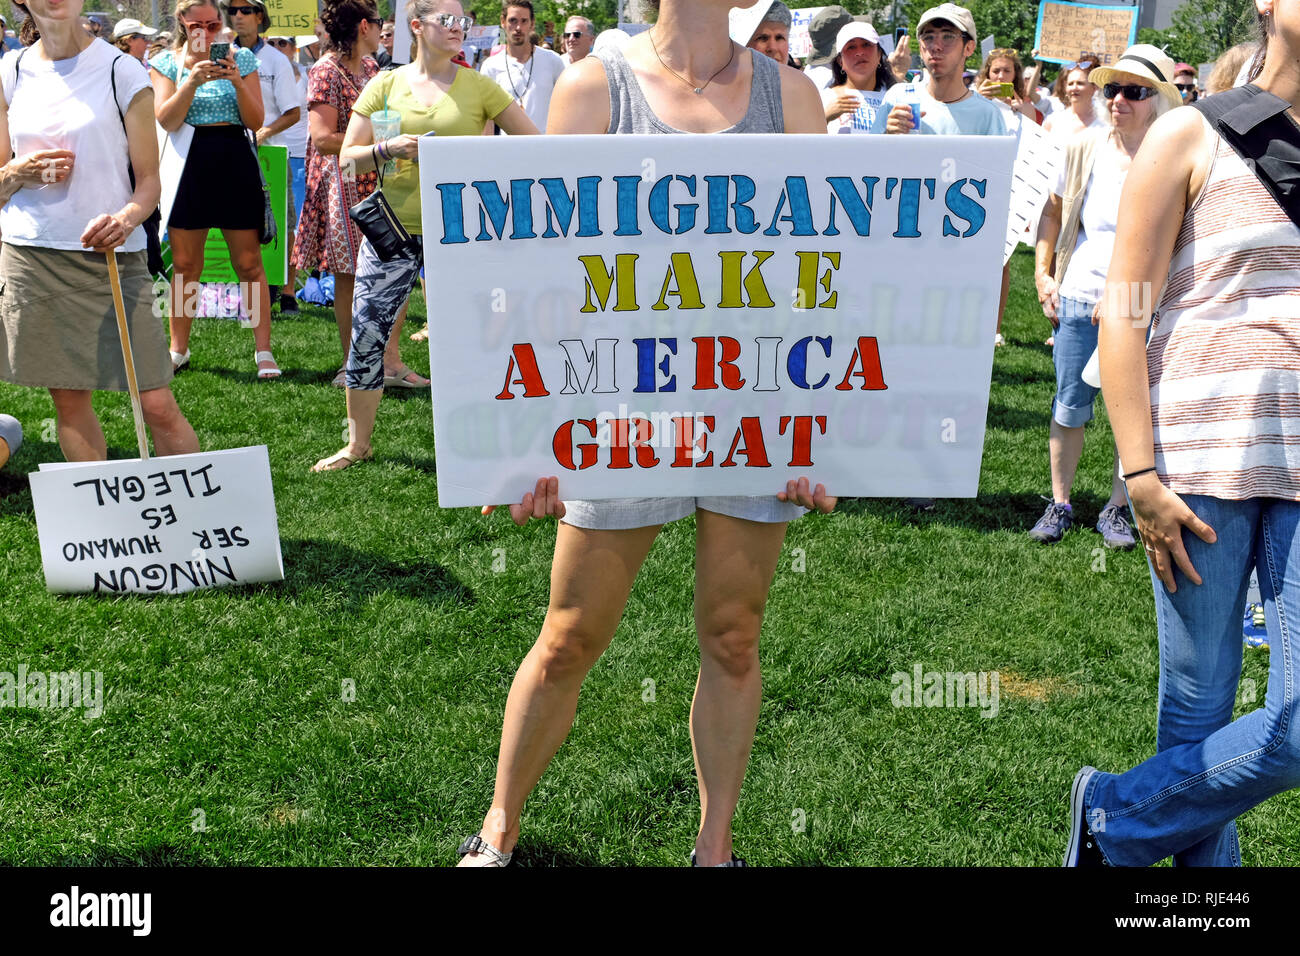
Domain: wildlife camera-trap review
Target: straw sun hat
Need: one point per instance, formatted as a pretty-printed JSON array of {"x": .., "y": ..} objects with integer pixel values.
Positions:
[{"x": 1144, "y": 60}]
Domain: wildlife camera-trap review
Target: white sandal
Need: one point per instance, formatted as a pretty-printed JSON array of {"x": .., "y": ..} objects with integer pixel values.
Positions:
[
  {"x": 264, "y": 373},
  {"x": 476, "y": 844},
  {"x": 180, "y": 360}
]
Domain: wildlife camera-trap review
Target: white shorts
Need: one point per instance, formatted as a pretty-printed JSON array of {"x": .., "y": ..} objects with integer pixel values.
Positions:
[{"x": 620, "y": 514}]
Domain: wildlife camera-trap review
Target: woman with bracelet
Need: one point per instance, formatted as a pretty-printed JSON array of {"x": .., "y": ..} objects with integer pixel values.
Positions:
[
  {"x": 417, "y": 91},
  {"x": 67, "y": 200},
  {"x": 206, "y": 105},
  {"x": 1204, "y": 415},
  {"x": 1075, "y": 235},
  {"x": 648, "y": 87}
]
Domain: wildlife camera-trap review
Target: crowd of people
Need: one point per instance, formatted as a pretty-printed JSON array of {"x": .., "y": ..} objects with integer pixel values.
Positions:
[{"x": 1147, "y": 192}]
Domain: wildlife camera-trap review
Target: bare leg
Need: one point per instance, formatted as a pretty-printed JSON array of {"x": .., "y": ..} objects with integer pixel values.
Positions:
[
  {"x": 187, "y": 267},
  {"x": 246, "y": 257},
  {"x": 1066, "y": 447},
  {"x": 80, "y": 436},
  {"x": 1118, "y": 494},
  {"x": 735, "y": 561},
  {"x": 591, "y": 577},
  {"x": 343, "y": 288},
  {"x": 172, "y": 434}
]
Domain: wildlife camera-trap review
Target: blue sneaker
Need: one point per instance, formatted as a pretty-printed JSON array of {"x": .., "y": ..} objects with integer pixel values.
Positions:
[
  {"x": 1116, "y": 528},
  {"x": 1056, "y": 520}
]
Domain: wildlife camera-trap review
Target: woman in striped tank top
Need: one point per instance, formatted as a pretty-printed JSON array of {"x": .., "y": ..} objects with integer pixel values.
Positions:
[
  {"x": 1207, "y": 423},
  {"x": 683, "y": 76}
]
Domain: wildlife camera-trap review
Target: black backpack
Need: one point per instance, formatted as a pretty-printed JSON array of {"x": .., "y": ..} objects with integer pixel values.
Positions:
[{"x": 1255, "y": 123}]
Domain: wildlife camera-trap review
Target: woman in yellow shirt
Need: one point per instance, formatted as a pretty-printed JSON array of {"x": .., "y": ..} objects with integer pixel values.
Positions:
[{"x": 433, "y": 95}]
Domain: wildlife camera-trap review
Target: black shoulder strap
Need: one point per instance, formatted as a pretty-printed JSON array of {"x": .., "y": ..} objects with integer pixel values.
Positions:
[
  {"x": 18, "y": 62},
  {"x": 112, "y": 81},
  {"x": 1256, "y": 125}
]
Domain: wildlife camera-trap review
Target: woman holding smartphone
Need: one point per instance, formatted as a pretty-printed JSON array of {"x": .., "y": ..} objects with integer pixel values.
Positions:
[
  {"x": 650, "y": 86},
  {"x": 206, "y": 96}
]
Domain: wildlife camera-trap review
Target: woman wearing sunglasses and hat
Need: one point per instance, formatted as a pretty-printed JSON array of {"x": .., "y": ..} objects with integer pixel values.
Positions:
[
  {"x": 1204, "y": 415},
  {"x": 1076, "y": 233}
]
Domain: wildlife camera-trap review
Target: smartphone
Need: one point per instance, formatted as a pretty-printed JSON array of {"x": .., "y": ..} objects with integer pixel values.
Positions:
[
  {"x": 1006, "y": 89},
  {"x": 218, "y": 51},
  {"x": 898, "y": 35}
]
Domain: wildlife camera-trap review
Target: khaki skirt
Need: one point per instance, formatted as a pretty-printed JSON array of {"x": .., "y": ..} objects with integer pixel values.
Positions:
[{"x": 57, "y": 324}]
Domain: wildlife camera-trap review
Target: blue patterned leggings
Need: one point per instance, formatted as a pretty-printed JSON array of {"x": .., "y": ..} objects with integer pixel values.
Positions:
[{"x": 380, "y": 290}]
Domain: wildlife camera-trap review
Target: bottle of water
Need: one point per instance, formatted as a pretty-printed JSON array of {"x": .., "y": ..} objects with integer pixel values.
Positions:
[{"x": 912, "y": 97}]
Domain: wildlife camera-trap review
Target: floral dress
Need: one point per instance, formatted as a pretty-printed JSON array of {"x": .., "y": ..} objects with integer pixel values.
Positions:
[{"x": 326, "y": 237}]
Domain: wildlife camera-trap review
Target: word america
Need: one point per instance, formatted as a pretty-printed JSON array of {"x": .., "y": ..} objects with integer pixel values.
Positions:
[{"x": 729, "y": 204}]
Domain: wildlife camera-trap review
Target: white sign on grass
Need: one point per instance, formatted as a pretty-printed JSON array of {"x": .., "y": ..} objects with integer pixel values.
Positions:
[
  {"x": 706, "y": 315},
  {"x": 166, "y": 525}
]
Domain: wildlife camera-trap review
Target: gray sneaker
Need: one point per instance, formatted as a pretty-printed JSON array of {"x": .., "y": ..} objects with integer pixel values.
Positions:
[
  {"x": 1116, "y": 528},
  {"x": 1056, "y": 520}
]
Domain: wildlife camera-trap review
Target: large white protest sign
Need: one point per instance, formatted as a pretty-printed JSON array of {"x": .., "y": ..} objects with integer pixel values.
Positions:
[
  {"x": 1038, "y": 158},
  {"x": 705, "y": 315},
  {"x": 166, "y": 525}
]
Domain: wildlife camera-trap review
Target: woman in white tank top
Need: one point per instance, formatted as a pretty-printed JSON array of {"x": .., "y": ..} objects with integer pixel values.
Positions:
[
  {"x": 649, "y": 87},
  {"x": 1208, "y": 430}
]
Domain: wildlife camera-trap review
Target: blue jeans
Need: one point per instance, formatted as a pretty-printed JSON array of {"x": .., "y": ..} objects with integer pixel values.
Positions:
[
  {"x": 1073, "y": 344},
  {"x": 1209, "y": 768}
]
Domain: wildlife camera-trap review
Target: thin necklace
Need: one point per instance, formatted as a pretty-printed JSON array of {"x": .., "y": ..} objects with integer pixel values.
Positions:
[
  {"x": 698, "y": 89},
  {"x": 532, "y": 65}
]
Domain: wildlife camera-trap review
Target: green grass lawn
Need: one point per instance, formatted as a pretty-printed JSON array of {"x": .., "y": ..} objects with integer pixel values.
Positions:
[{"x": 231, "y": 703}]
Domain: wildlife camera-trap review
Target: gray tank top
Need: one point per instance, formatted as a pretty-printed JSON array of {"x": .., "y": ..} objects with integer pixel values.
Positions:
[{"x": 630, "y": 113}]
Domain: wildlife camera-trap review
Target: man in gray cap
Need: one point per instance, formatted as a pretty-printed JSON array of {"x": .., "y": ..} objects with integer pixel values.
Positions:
[
  {"x": 772, "y": 38},
  {"x": 823, "y": 30}
]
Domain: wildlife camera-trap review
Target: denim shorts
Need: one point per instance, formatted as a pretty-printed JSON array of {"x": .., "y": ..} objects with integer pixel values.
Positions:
[
  {"x": 620, "y": 514},
  {"x": 1076, "y": 340}
]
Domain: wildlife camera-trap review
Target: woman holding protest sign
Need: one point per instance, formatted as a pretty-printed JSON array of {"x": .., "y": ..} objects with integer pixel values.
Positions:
[
  {"x": 683, "y": 76},
  {"x": 417, "y": 92},
  {"x": 1076, "y": 234},
  {"x": 68, "y": 199},
  {"x": 1203, "y": 415},
  {"x": 213, "y": 180}
]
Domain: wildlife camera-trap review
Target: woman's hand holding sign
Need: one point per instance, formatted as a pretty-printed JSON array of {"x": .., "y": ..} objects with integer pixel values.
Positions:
[
  {"x": 543, "y": 502},
  {"x": 814, "y": 500}
]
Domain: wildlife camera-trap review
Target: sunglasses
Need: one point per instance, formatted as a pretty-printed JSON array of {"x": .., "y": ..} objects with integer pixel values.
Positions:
[
  {"x": 574, "y": 36},
  {"x": 246, "y": 11},
  {"x": 282, "y": 43},
  {"x": 1185, "y": 87},
  {"x": 449, "y": 21},
  {"x": 211, "y": 26},
  {"x": 1132, "y": 92}
]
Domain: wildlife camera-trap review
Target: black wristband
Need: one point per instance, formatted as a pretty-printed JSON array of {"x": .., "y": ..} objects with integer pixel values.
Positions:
[{"x": 1134, "y": 474}]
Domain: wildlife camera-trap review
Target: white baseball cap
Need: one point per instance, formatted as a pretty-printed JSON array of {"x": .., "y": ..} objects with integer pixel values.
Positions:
[
  {"x": 855, "y": 30},
  {"x": 125, "y": 28}
]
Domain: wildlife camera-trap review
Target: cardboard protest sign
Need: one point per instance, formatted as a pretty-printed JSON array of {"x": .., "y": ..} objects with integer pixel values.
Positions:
[
  {"x": 166, "y": 525},
  {"x": 704, "y": 315},
  {"x": 1067, "y": 30},
  {"x": 292, "y": 17},
  {"x": 800, "y": 40},
  {"x": 1038, "y": 158}
]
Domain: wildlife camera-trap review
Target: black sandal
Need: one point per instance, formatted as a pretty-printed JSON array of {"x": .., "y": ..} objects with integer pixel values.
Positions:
[{"x": 476, "y": 844}]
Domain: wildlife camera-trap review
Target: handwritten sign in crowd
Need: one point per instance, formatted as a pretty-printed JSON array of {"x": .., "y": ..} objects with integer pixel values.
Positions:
[
  {"x": 643, "y": 315},
  {"x": 166, "y": 525},
  {"x": 1068, "y": 30}
]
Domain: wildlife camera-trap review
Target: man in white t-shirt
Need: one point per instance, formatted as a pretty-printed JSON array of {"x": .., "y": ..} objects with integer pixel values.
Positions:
[
  {"x": 526, "y": 72},
  {"x": 579, "y": 38},
  {"x": 250, "y": 19}
]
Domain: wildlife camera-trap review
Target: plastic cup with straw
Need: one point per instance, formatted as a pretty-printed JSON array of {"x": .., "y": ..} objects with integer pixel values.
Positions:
[{"x": 386, "y": 124}]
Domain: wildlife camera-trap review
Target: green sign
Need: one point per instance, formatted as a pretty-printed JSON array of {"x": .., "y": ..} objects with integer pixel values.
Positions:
[{"x": 275, "y": 257}]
